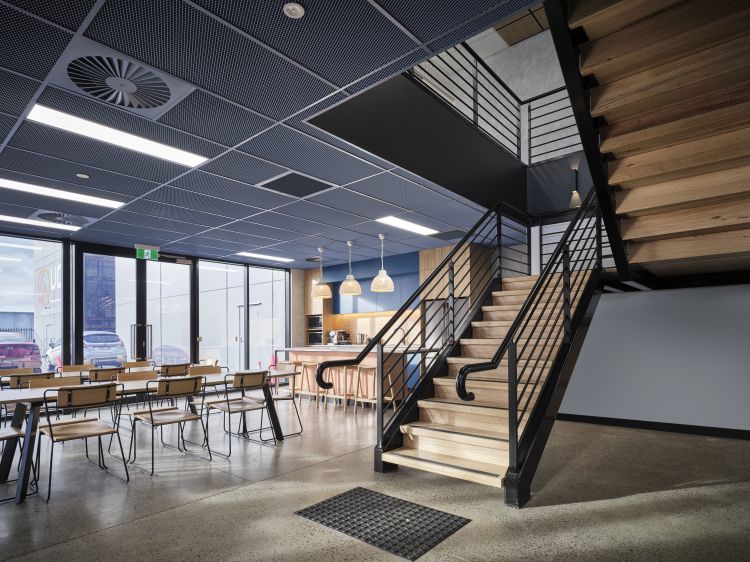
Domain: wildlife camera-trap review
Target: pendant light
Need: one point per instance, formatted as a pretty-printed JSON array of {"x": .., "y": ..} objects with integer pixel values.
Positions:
[
  {"x": 321, "y": 290},
  {"x": 382, "y": 283},
  {"x": 350, "y": 286}
]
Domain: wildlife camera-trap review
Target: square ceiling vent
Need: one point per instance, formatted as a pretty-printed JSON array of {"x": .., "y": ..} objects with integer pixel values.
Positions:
[
  {"x": 89, "y": 68},
  {"x": 296, "y": 185}
]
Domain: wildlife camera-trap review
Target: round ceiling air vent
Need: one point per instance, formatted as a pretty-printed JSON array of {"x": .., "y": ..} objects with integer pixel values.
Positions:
[
  {"x": 119, "y": 82},
  {"x": 62, "y": 218}
]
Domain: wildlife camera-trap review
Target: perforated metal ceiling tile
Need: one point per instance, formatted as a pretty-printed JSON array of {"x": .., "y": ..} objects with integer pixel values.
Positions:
[
  {"x": 427, "y": 242},
  {"x": 75, "y": 148},
  {"x": 319, "y": 106},
  {"x": 339, "y": 42},
  {"x": 343, "y": 145},
  {"x": 111, "y": 116},
  {"x": 242, "y": 167},
  {"x": 397, "y": 190},
  {"x": 286, "y": 222},
  {"x": 158, "y": 211},
  {"x": 182, "y": 248},
  {"x": 28, "y": 45},
  {"x": 196, "y": 201},
  {"x": 102, "y": 233},
  {"x": 225, "y": 245},
  {"x": 262, "y": 230},
  {"x": 68, "y": 14},
  {"x": 427, "y": 20},
  {"x": 211, "y": 117},
  {"x": 6, "y": 125},
  {"x": 237, "y": 238},
  {"x": 231, "y": 190},
  {"x": 325, "y": 216},
  {"x": 137, "y": 220},
  {"x": 343, "y": 199},
  {"x": 16, "y": 92},
  {"x": 452, "y": 213},
  {"x": 62, "y": 170},
  {"x": 146, "y": 233},
  {"x": 308, "y": 155},
  {"x": 187, "y": 43},
  {"x": 404, "y": 63},
  {"x": 474, "y": 26},
  {"x": 373, "y": 228}
]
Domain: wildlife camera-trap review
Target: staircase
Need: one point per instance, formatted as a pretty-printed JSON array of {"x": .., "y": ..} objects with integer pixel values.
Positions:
[
  {"x": 460, "y": 439},
  {"x": 666, "y": 85}
]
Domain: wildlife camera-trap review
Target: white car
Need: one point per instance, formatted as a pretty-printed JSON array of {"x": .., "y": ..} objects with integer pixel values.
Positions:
[{"x": 101, "y": 349}]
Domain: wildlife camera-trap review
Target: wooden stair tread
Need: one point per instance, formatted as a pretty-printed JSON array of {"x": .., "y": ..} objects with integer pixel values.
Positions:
[
  {"x": 511, "y": 293},
  {"x": 694, "y": 127},
  {"x": 683, "y": 192},
  {"x": 718, "y": 152},
  {"x": 710, "y": 70},
  {"x": 723, "y": 215},
  {"x": 670, "y": 35},
  {"x": 492, "y": 437},
  {"x": 473, "y": 471},
  {"x": 711, "y": 245},
  {"x": 458, "y": 405},
  {"x": 604, "y": 17},
  {"x": 480, "y": 382}
]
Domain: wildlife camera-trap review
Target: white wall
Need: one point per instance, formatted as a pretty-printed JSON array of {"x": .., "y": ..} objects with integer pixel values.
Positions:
[{"x": 678, "y": 356}]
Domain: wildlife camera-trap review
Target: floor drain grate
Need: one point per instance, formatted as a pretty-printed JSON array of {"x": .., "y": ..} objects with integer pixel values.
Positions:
[{"x": 403, "y": 528}]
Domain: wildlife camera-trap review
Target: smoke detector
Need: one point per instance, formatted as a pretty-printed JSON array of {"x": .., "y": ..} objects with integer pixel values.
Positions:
[
  {"x": 61, "y": 218},
  {"x": 294, "y": 10},
  {"x": 118, "y": 81}
]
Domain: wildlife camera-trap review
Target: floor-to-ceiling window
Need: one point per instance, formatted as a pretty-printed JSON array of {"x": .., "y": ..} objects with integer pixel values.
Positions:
[
  {"x": 168, "y": 311},
  {"x": 109, "y": 309},
  {"x": 222, "y": 313},
  {"x": 267, "y": 302},
  {"x": 31, "y": 292}
]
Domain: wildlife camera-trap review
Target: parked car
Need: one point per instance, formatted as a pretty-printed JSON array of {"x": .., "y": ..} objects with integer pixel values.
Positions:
[
  {"x": 101, "y": 349},
  {"x": 170, "y": 355},
  {"x": 18, "y": 352}
]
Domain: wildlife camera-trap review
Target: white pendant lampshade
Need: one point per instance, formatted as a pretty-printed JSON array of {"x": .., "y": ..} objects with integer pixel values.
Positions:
[
  {"x": 350, "y": 286},
  {"x": 382, "y": 283},
  {"x": 321, "y": 290}
]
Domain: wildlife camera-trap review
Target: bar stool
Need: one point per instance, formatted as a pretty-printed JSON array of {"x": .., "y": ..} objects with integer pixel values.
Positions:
[
  {"x": 307, "y": 380},
  {"x": 349, "y": 384},
  {"x": 365, "y": 392}
]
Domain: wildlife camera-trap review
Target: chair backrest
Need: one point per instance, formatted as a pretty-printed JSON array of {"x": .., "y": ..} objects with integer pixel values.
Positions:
[
  {"x": 18, "y": 380},
  {"x": 74, "y": 368},
  {"x": 176, "y": 370},
  {"x": 107, "y": 374},
  {"x": 86, "y": 395},
  {"x": 138, "y": 376},
  {"x": 179, "y": 386},
  {"x": 137, "y": 365},
  {"x": 249, "y": 379},
  {"x": 203, "y": 370},
  {"x": 210, "y": 362},
  {"x": 73, "y": 380}
]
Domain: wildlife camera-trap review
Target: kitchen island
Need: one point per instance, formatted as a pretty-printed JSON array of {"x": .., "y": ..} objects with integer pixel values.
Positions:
[{"x": 393, "y": 362}]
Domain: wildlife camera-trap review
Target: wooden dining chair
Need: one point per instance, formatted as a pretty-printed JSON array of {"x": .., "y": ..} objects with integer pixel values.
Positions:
[
  {"x": 237, "y": 401},
  {"x": 6, "y": 434},
  {"x": 16, "y": 381},
  {"x": 105, "y": 374},
  {"x": 88, "y": 397},
  {"x": 176, "y": 370},
  {"x": 131, "y": 365},
  {"x": 159, "y": 416},
  {"x": 55, "y": 381}
]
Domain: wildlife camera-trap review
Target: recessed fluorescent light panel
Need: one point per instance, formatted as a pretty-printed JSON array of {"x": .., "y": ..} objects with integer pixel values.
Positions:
[
  {"x": 34, "y": 222},
  {"x": 264, "y": 257},
  {"x": 73, "y": 124},
  {"x": 59, "y": 193},
  {"x": 407, "y": 225}
]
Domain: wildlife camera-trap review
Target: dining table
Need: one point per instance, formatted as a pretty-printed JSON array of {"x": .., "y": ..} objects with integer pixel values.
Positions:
[{"x": 29, "y": 401}]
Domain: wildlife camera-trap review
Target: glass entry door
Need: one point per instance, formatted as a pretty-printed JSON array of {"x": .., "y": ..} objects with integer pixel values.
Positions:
[{"x": 168, "y": 311}]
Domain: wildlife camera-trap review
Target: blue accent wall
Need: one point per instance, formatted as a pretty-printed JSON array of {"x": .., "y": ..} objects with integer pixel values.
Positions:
[{"x": 403, "y": 269}]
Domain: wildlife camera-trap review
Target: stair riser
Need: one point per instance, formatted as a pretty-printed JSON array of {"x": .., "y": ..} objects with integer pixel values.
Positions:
[
  {"x": 453, "y": 472},
  {"x": 494, "y": 393},
  {"x": 525, "y": 285},
  {"x": 481, "y": 351},
  {"x": 509, "y": 299},
  {"x": 499, "y": 332},
  {"x": 495, "y": 456},
  {"x": 501, "y": 373},
  {"x": 496, "y": 423}
]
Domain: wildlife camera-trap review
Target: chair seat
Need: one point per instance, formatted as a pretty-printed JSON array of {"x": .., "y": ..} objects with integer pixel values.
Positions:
[
  {"x": 77, "y": 428},
  {"x": 235, "y": 405},
  {"x": 9, "y": 433},
  {"x": 165, "y": 416}
]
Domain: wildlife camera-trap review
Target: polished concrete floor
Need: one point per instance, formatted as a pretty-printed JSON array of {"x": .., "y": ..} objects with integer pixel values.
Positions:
[{"x": 601, "y": 493}]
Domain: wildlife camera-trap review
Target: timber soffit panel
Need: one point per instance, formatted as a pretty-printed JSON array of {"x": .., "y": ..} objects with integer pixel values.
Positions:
[{"x": 251, "y": 78}]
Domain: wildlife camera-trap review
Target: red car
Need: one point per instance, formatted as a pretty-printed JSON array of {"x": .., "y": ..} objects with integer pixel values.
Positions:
[{"x": 17, "y": 352}]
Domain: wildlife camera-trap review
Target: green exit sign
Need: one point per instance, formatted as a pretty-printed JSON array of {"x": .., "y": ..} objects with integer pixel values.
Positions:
[{"x": 144, "y": 253}]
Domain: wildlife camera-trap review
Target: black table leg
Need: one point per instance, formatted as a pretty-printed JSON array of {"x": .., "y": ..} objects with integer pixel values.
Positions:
[
  {"x": 10, "y": 445},
  {"x": 272, "y": 412},
  {"x": 27, "y": 454}
]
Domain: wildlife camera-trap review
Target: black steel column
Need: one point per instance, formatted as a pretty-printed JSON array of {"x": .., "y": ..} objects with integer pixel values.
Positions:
[
  {"x": 194, "y": 311},
  {"x": 246, "y": 317},
  {"x": 78, "y": 274},
  {"x": 67, "y": 301},
  {"x": 140, "y": 309}
]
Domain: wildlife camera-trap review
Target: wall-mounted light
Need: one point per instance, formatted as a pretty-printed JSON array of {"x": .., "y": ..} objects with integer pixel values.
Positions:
[
  {"x": 575, "y": 197},
  {"x": 321, "y": 290},
  {"x": 382, "y": 283},
  {"x": 350, "y": 286}
]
